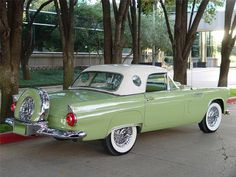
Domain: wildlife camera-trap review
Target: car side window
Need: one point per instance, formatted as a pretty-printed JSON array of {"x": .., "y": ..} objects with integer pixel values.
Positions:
[{"x": 157, "y": 82}]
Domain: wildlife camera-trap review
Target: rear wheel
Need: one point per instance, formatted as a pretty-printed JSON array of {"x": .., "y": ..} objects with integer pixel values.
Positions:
[
  {"x": 120, "y": 141},
  {"x": 211, "y": 121}
]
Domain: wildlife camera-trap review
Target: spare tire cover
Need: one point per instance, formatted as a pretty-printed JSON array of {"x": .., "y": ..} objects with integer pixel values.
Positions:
[{"x": 32, "y": 105}]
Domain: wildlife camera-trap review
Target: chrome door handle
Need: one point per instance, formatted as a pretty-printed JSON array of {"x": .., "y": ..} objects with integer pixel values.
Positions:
[
  {"x": 150, "y": 98},
  {"x": 198, "y": 94}
]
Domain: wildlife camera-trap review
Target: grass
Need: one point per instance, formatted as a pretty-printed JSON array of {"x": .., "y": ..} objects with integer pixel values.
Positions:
[
  {"x": 232, "y": 92},
  {"x": 5, "y": 128},
  {"x": 44, "y": 77}
]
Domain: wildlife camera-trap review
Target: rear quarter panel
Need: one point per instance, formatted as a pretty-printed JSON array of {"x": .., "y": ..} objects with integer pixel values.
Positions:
[{"x": 98, "y": 118}]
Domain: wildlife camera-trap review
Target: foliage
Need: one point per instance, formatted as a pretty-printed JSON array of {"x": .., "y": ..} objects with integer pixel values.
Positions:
[
  {"x": 88, "y": 22},
  {"x": 232, "y": 92},
  {"x": 209, "y": 15},
  {"x": 36, "y": 4},
  {"x": 154, "y": 33},
  {"x": 5, "y": 128},
  {"x": 211, "y": 8},
  {"x": 45, "y": 77}
]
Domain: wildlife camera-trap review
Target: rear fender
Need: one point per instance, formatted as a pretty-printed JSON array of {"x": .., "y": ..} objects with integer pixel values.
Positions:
[{"x": 125, "y": 119}]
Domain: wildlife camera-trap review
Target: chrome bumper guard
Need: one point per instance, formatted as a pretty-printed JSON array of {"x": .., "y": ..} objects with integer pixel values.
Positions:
[{"x": 41, "y": 128}]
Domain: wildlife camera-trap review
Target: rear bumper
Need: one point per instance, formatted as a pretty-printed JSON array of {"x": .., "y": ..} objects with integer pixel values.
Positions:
[{"x": 41, "y": 128}]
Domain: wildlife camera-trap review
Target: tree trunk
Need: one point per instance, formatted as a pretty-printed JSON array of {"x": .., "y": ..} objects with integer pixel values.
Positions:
[
  {"x": 139, "y": 30},
  {"x": 107, "y": 32},
  {"x": 9, "y": 88},
  {"x": 120, "y": 17},
  {"x": 117, "y": 52},
  {"x": 180, "y": 70},
  {"x": 227, "y": 43},
  {"x": 10, "y": 51},
  {"x": 134, "y": 31},
  {"x": 184, "y": 35},
  {"x": 26, "y": 71},
  {"x": 68, "y": 65},
  {"x": 224, "y": 69},
  {"x": 65, "y": 13}
]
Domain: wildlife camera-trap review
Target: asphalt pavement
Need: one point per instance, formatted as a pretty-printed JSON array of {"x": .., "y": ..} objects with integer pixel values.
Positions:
[{"x": 177, "y": 152}]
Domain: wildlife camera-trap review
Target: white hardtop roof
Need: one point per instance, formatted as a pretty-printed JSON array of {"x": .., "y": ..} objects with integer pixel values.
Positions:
[
  {"x": 126, "y": 69},
  {"x": 127, "y": 86}
]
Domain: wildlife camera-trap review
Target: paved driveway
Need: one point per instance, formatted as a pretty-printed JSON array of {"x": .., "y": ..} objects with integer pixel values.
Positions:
[{"x": 178, "y": 152}]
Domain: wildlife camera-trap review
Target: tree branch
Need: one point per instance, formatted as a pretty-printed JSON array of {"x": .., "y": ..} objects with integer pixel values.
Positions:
[
  {"x": 233, "y": 25},
  {"x": 130, "y": 22},
  {"x": 228, "y": 15},
  {"x": 191, "y": 16},
  {"x": 115, "y": 9},
  {"x": 38, "y": 11},
  {"x": 167, "y": 22},
  {"x": 192, "y": 31}
]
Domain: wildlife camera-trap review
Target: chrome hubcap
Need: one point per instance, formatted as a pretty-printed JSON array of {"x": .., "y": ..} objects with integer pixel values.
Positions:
[
  {"x": 123, "y": 136},
  {"x": 213, "y": 116}
]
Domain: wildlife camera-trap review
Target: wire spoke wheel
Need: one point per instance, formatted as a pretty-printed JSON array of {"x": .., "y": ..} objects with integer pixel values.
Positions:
[
  {"x": 121, "y": 140},
  {"x": 212, "y": 119}
]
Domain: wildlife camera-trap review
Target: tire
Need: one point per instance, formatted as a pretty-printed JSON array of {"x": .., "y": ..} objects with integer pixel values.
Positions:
[
  {"x": 212, "y": 119},
  {"x": 126, "y": 137}
]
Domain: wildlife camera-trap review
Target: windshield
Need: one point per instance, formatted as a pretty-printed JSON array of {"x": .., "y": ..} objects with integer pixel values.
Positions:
[{"x": 99, "y": 80}]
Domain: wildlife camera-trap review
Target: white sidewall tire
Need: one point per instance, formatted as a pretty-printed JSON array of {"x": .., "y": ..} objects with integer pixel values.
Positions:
[
  {"x": 126, "y": 148},
  {"x": 218, "y": 121}
]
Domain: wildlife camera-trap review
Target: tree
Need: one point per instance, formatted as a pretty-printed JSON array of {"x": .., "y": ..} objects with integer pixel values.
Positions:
[
  {"x": 120, "y": 18},
  {"x": 155, "y": 35},
  {"x": 11, "y": 17},
  {"x": 227, "y": 42},
  {"x": 27, "y": 40},
  {"x": 65, "y": 12},
  {"x": 88, "y": 25},
  {"x": 134, "y": 24},
  {"x": 113, "y": 46},
  {"x": 184, "y": 34},
  {"x": 107, "y": 31}
]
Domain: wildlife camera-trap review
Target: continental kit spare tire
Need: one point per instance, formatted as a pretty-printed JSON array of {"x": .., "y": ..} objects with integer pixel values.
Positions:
[{"x": 32, "y": 105}]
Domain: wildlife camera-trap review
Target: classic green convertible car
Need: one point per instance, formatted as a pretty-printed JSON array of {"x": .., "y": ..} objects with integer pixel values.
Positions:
[{"x": 114, "y": 103}]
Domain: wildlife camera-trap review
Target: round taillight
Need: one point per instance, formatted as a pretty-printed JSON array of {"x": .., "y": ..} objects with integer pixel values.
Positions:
[
  {"x": 13, "y": 106},
  {"x": 71, "y": 119}
]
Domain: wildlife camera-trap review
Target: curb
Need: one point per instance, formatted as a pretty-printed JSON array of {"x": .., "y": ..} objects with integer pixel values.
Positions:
[
  {"x": 231, "y": 100},
  {"x": 9, "y": 137}
]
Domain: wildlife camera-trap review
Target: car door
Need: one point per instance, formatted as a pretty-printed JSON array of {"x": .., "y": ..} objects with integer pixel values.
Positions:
[{"x": 164, "y": 103}]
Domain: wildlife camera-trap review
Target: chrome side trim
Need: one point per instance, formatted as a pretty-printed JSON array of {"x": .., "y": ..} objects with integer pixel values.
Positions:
[{"x": 41, "y": 128}]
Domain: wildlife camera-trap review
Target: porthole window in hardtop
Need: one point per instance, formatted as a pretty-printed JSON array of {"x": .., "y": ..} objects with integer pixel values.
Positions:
[
  {"x": 99, "y": 80},
  {"x": 157, "y": 82},
  {"x": 136, "y": 80}
]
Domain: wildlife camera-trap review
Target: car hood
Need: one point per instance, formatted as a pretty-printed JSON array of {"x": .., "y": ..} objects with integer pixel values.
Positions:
[{"x": 59, "y": 101}]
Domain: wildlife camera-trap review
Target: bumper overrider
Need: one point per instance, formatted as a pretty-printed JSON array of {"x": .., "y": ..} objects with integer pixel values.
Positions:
[{"x": 41, "y": 128}]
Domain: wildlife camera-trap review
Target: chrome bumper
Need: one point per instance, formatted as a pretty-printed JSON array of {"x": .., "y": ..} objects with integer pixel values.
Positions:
[{"x": 41, "y": 128}]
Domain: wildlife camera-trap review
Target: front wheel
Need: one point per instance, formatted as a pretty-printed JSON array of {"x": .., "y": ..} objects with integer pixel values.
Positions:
[
  {"x": 211, "y": 121},
  {"x": 120, "y": 141}
]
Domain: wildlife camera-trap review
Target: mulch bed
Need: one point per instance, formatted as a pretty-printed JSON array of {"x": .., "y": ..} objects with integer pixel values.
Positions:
[{"x": 10, "y": 137}]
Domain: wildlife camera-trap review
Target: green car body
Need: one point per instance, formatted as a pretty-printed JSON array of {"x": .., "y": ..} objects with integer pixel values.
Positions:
[{"x": 100, "y": 112}]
